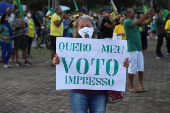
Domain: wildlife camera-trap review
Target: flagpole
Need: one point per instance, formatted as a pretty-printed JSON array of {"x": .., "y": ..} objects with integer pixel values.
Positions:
[{"x": 114, "y": 5}]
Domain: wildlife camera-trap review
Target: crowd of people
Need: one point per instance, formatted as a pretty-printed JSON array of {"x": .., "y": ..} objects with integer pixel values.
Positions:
[{"x": 17, "y": 33}]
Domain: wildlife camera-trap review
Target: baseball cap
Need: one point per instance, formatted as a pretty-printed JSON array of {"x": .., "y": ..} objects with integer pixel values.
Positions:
[
  {"x": 107, "y": 11},
  {"x": 83, "y": 10}
]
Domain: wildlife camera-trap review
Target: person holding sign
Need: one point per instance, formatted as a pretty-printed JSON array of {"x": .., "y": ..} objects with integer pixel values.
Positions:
[
  {"x": 82, "y": 100},
  {"x": 136, "y": 61}
]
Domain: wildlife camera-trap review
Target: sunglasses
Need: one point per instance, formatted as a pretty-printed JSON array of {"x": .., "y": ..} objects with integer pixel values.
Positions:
[{"x": 131, "y": 11}]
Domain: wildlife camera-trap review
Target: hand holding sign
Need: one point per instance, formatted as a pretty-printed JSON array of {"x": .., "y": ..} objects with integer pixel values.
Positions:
[
  {"x": 90, "y": 64},
  {"x": 56, "y": 60}
]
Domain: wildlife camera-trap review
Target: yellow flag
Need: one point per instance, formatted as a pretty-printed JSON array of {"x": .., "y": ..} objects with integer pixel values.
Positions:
[{"x": 15, "y": 2}]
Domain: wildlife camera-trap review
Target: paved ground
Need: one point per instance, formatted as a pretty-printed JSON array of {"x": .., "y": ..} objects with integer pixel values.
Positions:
[{"x": 32, "y": 89}]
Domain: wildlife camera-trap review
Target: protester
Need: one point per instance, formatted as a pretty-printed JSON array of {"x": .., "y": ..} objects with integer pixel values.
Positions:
[
  {"x": 119, "y": 29},
  {"x": 37, "y": 23},
  {"x": 18, "y": 26},
  {"x": 39, "y": 17},
  {"x": 82, "y": 100},
  {"x": 107, "y": 26},
  {"x": 144, "y": 34},
  {"x": 136, "y": 61},
  {"x": 161, "y": 33},
  {"x": 153, "y": 28},
  {"x": 167, "y": 18},
  {"x": 48, "y": 22},
  {"x": 167, "y": 28},
  {"x": 136, "y": 17},
  {"x": 56, "y": 29},
  {"x": 66, "y": 21},
  {"x": 5, "y": 41},
  {"x": 30, "y": 32},
  {"x": 83, "y": 12}
]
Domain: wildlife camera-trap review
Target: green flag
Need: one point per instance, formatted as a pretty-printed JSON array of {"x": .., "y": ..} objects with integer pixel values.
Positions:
[
  {"x": 114, "y": 9},
  {"x": 15, "y": 2},
  {"x": 51, "y": 10},
  {"x": 76, "y": 8},
  {"x": 165, "y": 12},
  {"x": 18, "y": 4},
  {"x": 145, "y": 8}
]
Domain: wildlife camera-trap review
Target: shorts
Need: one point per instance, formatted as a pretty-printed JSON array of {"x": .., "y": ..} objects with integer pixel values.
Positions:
[
  {"x": 136, "y": 62},
  {"x": 20, "y": 43},
  {"x": 53, "y": 42}
]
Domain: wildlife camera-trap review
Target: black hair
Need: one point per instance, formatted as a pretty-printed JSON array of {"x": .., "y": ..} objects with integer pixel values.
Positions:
[
  {"x": 15, "y": 10},
  {"x": 68, "y": 11},
  {"x": 3, "y": 18},
  {"x": 26, "y": 11},
  {"x": 167, "y": 17},
  {"x": 57, "y": 7},
  {"x": 126, "y": 11},
  {"x": 158, "y": 11}
]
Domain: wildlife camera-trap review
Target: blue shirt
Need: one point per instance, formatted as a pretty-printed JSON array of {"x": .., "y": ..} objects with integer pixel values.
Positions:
[
  {"x": 153, "y": 26},
  {"x": 66, "y": 28}
]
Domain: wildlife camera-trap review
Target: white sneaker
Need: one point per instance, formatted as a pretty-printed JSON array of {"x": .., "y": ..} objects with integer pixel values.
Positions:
[
  {"x": 9, "y": 66},
  {"x": 5, "y": 66}
]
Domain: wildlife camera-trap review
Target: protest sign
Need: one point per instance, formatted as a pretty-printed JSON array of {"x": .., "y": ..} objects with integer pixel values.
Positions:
[{"x": 95, "y": 64}]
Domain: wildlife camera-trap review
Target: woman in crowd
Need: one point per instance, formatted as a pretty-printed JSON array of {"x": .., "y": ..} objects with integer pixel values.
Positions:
[
  {"x": 82, "y": 100},
  {"x": 66, "y": 21},
  {"x": 119, "y": 29},
  {"x": 30, "y": 31},
  {"x": 5, "y": 41},
  {"x": 153, "y": 28}
]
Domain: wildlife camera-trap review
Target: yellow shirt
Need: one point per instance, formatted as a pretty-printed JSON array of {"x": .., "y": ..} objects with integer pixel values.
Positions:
[
  {"x": 120, "y": 29},
  {"x": 54, "y": 30},
  {"x": 167, "y": 26},
  {"x": 31, "y": 28}
]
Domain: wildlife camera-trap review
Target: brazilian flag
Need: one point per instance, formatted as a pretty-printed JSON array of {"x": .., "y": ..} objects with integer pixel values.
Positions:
[
  {"x": 18, "y": 4},
  {"x": 145, "y": 8},
  {"x": 165, "y": 12}
]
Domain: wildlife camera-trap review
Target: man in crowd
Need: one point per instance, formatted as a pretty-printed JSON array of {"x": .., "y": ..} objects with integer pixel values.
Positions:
[
  {"x": 83, "y": 12},
  {"x": 18, "y": 26},
  {"x": 56, "y": 29},
  {"x": 106, "y": 25},
  {"x": 161, "y": 33},
  {"x": 136, "y": 61}
]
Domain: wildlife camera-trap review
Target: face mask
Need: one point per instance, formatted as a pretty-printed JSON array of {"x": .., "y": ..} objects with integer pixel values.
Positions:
[
  {"x": 6, "y": 19},
  {"x": 86, "y": 32},
  {"x": 29, "y": 15},
  {"x": 17, "y": 13},
  {"x": 9, "y": 14},
  {"x": 121, "y": 21},
  {"x": 95, "y": 15}
]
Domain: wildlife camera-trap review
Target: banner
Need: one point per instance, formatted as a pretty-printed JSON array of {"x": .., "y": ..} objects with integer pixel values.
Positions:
[
  {"x": 94, "y": 64},
  {"x": 24, "y": 7}
]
